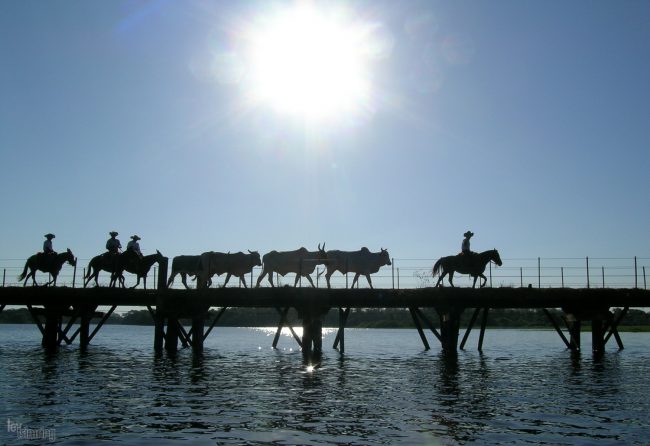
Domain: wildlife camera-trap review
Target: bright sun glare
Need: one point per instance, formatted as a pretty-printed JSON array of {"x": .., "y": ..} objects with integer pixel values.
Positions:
[{"x": 310, "y": 63}]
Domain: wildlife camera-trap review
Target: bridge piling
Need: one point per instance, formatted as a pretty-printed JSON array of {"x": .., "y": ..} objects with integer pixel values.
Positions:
[{"x": 449, "y": 328}]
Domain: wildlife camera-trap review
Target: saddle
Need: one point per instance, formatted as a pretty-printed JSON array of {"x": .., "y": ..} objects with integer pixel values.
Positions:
[
  {"x": 467, "y": 259},
  {"x": 45, "y": 259}
]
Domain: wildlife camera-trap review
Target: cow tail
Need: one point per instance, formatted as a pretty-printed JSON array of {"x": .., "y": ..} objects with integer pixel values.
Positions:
[
  {"x": 24, "y": 273},
  {"x": 436, "y": 268}
]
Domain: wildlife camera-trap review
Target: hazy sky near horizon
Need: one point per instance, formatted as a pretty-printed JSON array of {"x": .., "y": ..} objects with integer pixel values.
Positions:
[{"x": 525, "y": 122}]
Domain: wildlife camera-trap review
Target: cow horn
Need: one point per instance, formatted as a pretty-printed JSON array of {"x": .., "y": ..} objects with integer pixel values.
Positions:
[{"x": 250, "y": 252}]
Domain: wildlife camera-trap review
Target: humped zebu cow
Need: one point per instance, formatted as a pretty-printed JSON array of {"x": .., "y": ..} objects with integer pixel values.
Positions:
[
  {"x": 301, "y": 262},
  {"x": 237, "y": 264},
  {"x": 358, "y": 262},
  {"x": 185, "y": 266}
]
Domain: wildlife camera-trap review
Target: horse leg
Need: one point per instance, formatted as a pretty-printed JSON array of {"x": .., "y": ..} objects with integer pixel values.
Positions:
[
  {"x": 442, "y": 276},
  {"x": 451, "y": 278},
  {"x": 137, "y": 282},
  {"x": 484, "y": 280},
  {"x": 474, "y": 284}
]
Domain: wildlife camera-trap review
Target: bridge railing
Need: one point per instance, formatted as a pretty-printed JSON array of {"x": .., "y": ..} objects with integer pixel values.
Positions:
[{"x": 576, "y": 272}]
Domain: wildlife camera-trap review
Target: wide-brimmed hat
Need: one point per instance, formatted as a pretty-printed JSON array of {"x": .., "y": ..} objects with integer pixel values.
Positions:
[
  {"x": 468, "y": 234},
  {"x": 49, "y": 235},
  {"x": 113, "y": 233},
  {"x": 135, "y": 237}
]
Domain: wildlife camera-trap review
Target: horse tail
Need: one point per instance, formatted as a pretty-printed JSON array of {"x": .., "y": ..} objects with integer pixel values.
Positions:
[
  {"x": 24, "y": 273},
  {"x": 436, "y": 268}
]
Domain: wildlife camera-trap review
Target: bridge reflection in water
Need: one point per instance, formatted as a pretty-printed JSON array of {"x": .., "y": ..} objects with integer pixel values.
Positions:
[{"x": 48, "y": 307}]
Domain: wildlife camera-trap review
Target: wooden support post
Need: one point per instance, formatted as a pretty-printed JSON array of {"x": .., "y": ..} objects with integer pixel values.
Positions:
[
  {"x": 63, "y": 333},
  {"x": 198, "y": 323},
  {"x": 159, "y": 331},
  {"x": 598, "y": 336},
  {"x": 51, "y": 331},
  {"x": 573, "y": 325},
  {"x": 102, "y": 322},
  {"x": 317, "y": 334},
  {"x": 557, "y": 327},
  {"x": 418, "y": 325},
  {"x": 36, "y": 319},
  {"x": 214, "y": 322},
  {"x": 183, "y": 336},
  {"x": 307, "y": 336},
  {"x": 449, "y": 328},
  {"x": 340, "y": 335},
  {"x": 613, "y": 330},
  {"x": 162, "y": 273},
  {"x": 469, "y": 328},
  {"x": 2, "y": 307},
  {"x": 84, "y": 330},
  {"x": 283, "y": 320},
  {"x": 428, "y": 323},
  {"x": 171, "y": 340},
  {"x": 483, "y": 325}
]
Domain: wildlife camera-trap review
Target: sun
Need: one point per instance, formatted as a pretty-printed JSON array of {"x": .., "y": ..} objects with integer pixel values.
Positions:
[{"x": 308, "y": 62}]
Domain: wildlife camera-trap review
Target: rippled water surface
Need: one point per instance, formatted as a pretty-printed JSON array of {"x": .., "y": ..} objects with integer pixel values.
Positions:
[{"x": 524, "y": 389}]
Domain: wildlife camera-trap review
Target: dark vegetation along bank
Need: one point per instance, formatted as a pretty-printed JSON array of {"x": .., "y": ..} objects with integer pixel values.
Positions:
[{"x": 359, "y": 318}]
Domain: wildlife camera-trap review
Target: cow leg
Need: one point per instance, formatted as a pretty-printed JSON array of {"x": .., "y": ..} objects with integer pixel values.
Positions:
[
  {"x": 259, "y": 279},
  {"x": 369, "y": 281},
  {"x": 144, "y": 282},
  {"x": 356, "y": 278},
  {"x": 243, "y": 280},
  {"x": 295, "y": 282},
  {"x": 227, "y": 279},
  {"x": 310, "y": 281},
  {"x": 183, "y": 281},
  {"x": 328, "y": 274}
]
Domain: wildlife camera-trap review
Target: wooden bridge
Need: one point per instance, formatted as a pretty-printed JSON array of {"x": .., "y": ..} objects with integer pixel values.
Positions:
[{"x": 49, "y": 305}]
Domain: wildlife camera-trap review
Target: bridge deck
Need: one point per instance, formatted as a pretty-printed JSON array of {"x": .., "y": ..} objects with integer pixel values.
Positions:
[{"x": 354, "y": 298}]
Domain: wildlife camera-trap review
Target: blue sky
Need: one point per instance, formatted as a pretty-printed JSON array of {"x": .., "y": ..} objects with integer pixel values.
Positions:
[{"x": 526, "y": 122}]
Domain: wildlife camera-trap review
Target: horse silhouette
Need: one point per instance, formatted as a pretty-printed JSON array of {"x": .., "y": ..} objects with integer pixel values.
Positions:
[
  {"x": 46, "y": 263},
  {"x": 472, "y": 264},
  {"x": 135, "y": 265},
  {"x": 103, "y": 262}
]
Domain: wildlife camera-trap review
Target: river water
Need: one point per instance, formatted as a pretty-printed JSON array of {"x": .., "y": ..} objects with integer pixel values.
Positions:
[{"x": 525, "y": 388}]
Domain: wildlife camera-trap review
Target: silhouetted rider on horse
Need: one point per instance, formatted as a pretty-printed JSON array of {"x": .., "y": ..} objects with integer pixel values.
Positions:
[
  {"x": 132, "y": 255},
  {"x": 466, "y": 254},
  {"x": 48, "y": 255},
  {"x": 113, "y": 246}
]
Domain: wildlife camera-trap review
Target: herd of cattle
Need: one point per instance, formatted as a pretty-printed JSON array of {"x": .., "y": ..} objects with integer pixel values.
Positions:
[{"x": 301, "y": 262}]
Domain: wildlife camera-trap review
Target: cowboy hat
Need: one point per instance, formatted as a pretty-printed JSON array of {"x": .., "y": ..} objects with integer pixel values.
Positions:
[
  {"x": 135, "y": 237},
  {"x": 113, "y": 233},
  {"x": 468, "y": 234},
  {"x": 49, "y": 235}
]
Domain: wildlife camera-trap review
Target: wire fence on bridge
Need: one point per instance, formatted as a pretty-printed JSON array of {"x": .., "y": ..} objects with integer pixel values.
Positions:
[{"x": 538, "y": 272}]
